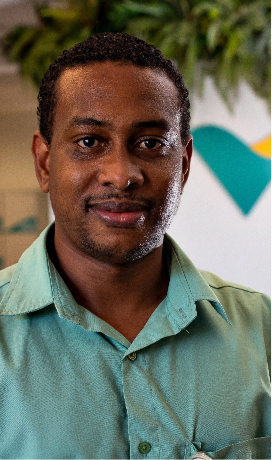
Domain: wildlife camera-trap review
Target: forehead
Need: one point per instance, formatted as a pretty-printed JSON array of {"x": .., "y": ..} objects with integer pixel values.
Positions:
[{"x": 117, "y": 87}]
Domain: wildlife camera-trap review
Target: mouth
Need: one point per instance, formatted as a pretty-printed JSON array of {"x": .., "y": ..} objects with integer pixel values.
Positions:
[{"x": 119, "y": 213}]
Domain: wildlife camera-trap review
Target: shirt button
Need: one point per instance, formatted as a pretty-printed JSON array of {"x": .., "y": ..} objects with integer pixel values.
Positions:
[
  {"x": 200, "y": 456},
  {"x": 144, "y": 447},
  {"x": 132, "y": 356}
]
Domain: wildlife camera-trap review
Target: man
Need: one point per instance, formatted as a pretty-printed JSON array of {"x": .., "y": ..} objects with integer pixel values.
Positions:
[{"x": 113, "y": 345}]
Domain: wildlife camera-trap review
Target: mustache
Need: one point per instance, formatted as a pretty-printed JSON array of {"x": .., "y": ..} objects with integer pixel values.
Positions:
[{"x": 93, "y": 199}]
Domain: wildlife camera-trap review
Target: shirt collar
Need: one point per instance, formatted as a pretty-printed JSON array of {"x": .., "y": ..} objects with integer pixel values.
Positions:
[
  {"x": 184, "y": 273},
  {"x": 30, "y": 287},
  {"x": 179, "y": 308}
]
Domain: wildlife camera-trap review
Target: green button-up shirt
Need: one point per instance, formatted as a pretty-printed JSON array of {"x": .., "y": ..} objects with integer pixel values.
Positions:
[{"x": 194, "y": 379}]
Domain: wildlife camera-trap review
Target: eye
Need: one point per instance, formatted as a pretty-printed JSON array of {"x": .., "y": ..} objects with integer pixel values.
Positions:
[
  {"x": 150, "y": 144},
  {"x": 88, "y": 142}
]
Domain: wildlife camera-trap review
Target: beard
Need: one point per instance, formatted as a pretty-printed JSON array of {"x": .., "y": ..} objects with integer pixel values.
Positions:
[
  {"x": 150, "y": 238},
  {"x": 109, "y": 253}
]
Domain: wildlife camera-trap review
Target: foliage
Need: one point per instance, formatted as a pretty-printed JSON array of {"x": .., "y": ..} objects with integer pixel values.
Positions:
[
  {"x": 36, "y": 47},
  {"x": 228, "y": 40}
]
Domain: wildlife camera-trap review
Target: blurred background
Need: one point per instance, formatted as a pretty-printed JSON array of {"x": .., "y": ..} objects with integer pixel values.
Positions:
[{"x": 222, "y": 49}]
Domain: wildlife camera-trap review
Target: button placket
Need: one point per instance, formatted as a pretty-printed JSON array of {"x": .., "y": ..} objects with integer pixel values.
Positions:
[{"x": 142, "y": 423}]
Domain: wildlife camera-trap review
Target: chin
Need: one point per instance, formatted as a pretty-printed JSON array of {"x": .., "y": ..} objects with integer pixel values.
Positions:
[{"x": 119, "y": 253}]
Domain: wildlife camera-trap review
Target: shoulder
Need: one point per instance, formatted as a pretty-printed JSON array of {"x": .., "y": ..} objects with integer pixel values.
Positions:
[
  {"x": 219, "y": 284},
  {"x": 216, "y": 282},
  {"x": 238, "y": 299}
]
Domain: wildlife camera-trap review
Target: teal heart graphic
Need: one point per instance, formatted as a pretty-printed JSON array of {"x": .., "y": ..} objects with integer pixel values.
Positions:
[{"x": 243, "y": 173}]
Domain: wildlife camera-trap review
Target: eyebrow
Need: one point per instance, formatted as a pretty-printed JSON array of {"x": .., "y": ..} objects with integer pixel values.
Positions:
[
  {"x": 89, "y": 121},
  {"x": 79, "y": 121},
  {"x": 152, "y": 124}
]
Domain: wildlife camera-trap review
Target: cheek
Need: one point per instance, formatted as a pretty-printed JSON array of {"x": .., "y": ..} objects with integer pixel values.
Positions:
[
  {"x": 172, "y": 182},
  {"x": 172, "y": 196},
  {"x": 67, "y": 178}
]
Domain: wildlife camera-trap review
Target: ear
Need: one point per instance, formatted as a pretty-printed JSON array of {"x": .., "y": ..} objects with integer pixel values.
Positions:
[
  {"x": 40, "y": 152},
  {"x": 186, "y": 160}
]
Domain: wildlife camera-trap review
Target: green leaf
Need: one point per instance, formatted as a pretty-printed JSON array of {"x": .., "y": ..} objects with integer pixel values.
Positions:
[
  {"x": 155, "y": 9},
  {"x": 190, "y": 62},
  {"x": 207, "y": 7},
  {"x": 213, "y": 33},
  {"x": 19, "y": 41}
]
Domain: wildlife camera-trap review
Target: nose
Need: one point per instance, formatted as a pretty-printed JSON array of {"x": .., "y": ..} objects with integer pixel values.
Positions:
[{"x": 120, "y": 170}]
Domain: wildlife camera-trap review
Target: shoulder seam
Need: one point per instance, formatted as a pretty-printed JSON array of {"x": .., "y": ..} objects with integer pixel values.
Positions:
[{"x": 234, "y": 287}]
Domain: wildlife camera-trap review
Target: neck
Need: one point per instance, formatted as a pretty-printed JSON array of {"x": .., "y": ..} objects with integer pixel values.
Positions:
[{"x": 124, "y": 295}]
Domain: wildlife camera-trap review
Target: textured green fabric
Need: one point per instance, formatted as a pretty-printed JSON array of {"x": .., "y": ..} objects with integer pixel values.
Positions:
[{"x": 195, "y": 378}]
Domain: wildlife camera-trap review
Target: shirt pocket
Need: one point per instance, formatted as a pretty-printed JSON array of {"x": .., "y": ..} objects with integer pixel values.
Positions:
[{"x": 256, "y": 448}]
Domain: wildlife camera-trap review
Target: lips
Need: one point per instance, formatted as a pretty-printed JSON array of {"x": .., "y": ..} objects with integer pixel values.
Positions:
[{"x": 119, "y": 213}]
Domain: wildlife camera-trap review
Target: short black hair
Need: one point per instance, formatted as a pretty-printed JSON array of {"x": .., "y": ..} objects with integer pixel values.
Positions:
[{"x": 107, "y": 47}]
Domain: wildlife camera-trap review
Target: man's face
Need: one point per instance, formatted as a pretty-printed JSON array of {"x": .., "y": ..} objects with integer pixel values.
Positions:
[{"x": 116, "y": 166}]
